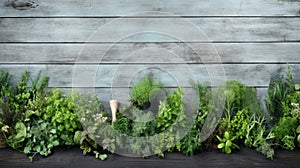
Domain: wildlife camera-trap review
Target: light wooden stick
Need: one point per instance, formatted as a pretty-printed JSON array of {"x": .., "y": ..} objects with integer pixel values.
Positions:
[{"x": 114, "y": 107}]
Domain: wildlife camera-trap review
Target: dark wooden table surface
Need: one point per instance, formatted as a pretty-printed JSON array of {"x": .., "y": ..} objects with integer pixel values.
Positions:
[{"x": 62, "y": 157}]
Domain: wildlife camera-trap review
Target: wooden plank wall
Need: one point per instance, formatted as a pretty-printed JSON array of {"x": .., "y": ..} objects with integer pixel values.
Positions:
[{"x": 253, "y": 39}]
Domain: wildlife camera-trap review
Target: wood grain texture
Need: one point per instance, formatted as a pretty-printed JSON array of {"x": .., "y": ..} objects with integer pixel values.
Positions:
[
  {"x": 149, "y": 29},
  {"x": 253, "y": 38},
  {"x": 259, "y": 53},
  {"x": 72, "y": 157},
  {"x": 108, "y": 8},
  {"x": 124, "y": 75}
]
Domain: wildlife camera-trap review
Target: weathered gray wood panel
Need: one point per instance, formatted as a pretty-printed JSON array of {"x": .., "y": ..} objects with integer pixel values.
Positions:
[
  {"x": 183, "y": 8},
  {"x": 254, "y": 38},
  {"x": 91, "y": 76},
  {"x": 228, "y": 52},
  {"x": 149, "y": 29},
  {"x": 106, "y": 94}
]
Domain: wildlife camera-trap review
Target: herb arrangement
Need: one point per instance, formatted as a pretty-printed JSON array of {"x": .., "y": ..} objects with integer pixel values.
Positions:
[{"x": 34, "y": 119}]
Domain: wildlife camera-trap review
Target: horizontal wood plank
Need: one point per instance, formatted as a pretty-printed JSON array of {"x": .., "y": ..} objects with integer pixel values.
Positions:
[
  {"x": 72, "y": 157},
  {"x": 173, "y": 75},
  {"x": 113, "y": 8},
  {"x": 181, "y": 53},
  {"x": 123, "y": 94},
  {"x": 149, "y": 29}
]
